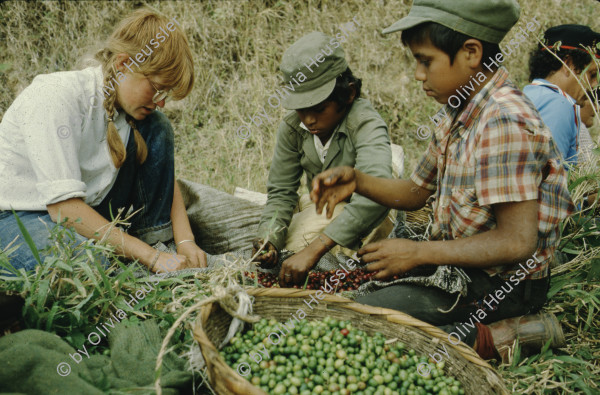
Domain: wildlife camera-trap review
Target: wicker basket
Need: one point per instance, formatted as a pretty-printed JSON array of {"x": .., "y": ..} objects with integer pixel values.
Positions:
[
  {"x": 421, "y": 216},
  {"x": 476, "y": 376}
]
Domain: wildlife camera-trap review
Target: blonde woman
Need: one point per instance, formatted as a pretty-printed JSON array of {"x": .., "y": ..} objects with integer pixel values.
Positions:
[{"x": 78, "y": 145}]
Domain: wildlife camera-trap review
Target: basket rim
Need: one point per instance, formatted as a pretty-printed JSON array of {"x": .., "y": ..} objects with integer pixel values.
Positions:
[{"x": 390, "y": 315}]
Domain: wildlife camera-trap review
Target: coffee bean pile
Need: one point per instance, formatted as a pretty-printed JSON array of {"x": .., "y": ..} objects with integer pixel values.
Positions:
[
  {"x": 351, "y": 281},
  {"x": 332, "y": 357}
]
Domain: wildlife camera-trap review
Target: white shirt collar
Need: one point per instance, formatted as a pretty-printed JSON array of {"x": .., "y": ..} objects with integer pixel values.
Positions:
[
  {"x": 321, "y": 149},
  {"x": 556, "y": 88}
]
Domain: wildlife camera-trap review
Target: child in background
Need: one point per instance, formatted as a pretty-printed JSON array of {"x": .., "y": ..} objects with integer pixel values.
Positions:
[
  {"x": 555, "y": 88},
  {"x": 493, "y": 175},
  {"x": 330, "y": 126}
]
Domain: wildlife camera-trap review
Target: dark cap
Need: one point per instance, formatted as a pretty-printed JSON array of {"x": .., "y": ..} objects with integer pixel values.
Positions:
[
  {"x": 573, "y": 37},
  {"x": 320, "y": 59},
  {"x": 486, "y": 20}
]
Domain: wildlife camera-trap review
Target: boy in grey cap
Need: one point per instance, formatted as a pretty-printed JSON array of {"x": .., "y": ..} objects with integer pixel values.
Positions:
[
  {"x": 330, "y": 126},
  {"x": 492, "y": 174}
]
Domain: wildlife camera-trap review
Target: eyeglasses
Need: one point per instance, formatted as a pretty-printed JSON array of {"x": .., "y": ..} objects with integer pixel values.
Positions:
[{"x": 160, "y": 94}]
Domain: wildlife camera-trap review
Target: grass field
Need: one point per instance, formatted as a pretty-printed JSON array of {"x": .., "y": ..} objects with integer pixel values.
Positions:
[{"x": 237, "y": 47}]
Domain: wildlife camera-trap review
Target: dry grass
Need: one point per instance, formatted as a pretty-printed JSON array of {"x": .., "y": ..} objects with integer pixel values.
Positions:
[{"x": 237, "y": 47}]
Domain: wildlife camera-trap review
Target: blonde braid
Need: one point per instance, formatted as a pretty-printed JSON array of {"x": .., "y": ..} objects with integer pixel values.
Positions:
[
  {"x": 118, "y": 152},
  {"x": 171, "y": 61},
  {"x": 141, "y": 148},
  {"x": 115, "y": 144}
]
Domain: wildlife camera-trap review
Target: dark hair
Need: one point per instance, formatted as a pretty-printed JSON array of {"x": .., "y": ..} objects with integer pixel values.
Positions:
[
  {"x": 542, "y": 63},
  {"x": 445, "y": 39},
  {"x": 341, "y": 92}
]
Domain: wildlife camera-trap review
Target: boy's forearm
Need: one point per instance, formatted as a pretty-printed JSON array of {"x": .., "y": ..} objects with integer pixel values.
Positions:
[
  {"x": 513, "y": 240},
  {"x": 488, "y": 249},
  {"x": 321, "y": 245},
  {"x": 392, "y": 193}
]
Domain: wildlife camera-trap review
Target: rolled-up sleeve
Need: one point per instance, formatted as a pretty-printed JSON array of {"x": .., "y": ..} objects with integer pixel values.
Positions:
[
  {"x": 52, "y": 128},
  {"x": 282, "y": 188},
  {"x": 361, "y": 215}
]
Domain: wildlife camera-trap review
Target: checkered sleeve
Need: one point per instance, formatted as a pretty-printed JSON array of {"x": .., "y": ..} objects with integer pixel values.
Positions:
[
  {"x": 425, "y": 174},
  {"x": 510, "y": 157}
]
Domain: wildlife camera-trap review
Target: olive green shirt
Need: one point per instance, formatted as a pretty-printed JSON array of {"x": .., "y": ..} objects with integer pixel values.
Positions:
[{"x": 360, "y": 141}]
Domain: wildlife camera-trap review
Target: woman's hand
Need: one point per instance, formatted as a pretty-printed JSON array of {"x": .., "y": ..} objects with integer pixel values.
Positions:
[
  {"x": 295, "y": 268},
  {"x": 171, "y": 262},
  {"x": 196, "y": 256},
  {"x": 331, "y": 187},
  {"x": 268, "y": 256}
]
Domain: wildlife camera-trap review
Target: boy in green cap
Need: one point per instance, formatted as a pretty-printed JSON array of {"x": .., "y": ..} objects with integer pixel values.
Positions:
[
  {"x": 330, "y": 126},
  {"x": 492, "y": 174}
]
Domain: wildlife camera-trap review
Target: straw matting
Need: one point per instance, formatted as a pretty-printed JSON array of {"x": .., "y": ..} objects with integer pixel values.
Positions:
[{"x": 421, "y": 216}]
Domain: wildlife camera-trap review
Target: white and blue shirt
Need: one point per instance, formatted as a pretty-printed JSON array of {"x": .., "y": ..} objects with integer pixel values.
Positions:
[
  {"x": 560, "y": 113},
  {"x": 53, "y": 143}
]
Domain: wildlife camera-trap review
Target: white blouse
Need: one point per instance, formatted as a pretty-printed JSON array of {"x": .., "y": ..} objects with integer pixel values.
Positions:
[{"x": 53, "y": 143}]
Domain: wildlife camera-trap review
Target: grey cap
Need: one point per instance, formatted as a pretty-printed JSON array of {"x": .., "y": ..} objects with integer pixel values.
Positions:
[
  {"x": 318, "y": 58},
  {"x": 486, "y": 20}
]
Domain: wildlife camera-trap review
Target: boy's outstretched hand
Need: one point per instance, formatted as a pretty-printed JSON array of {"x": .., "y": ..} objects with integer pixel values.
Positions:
[
  {"x": 331, "y": 187},
  {"x": 390, "y": 257}
]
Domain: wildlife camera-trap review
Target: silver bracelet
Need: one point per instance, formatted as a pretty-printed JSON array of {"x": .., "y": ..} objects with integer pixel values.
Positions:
[
  {"x": 183, "y": 241},
  {"x": 154, "y": 261}
]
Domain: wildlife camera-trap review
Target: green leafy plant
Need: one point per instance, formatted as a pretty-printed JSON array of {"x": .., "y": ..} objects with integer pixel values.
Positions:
[
  {"x": 70, "y": 292},
  {"x": 574, "y": 296}
]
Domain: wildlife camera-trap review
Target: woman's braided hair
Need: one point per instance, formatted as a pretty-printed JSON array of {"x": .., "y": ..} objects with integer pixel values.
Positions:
[{"x": 171, "y": 60}]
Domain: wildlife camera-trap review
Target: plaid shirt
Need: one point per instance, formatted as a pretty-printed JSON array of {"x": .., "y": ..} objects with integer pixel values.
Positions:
[{"x": 497, "y": 151}]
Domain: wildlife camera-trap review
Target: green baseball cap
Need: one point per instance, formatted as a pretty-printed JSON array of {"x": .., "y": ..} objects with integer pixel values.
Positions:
[
  {"x": 487, "y": 20},
  {"x": 310, "y": 67}
]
